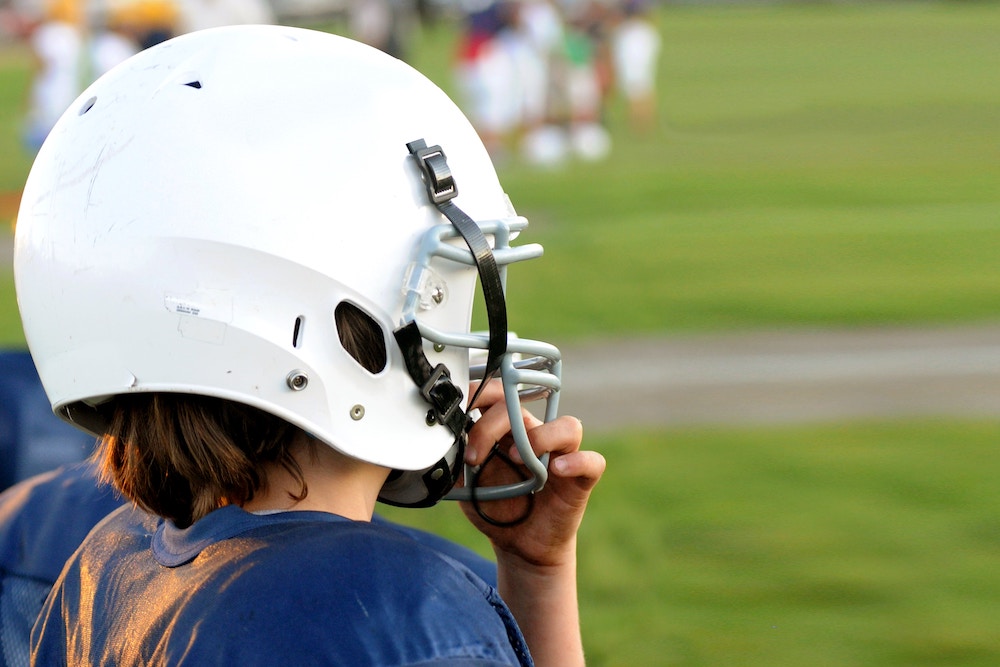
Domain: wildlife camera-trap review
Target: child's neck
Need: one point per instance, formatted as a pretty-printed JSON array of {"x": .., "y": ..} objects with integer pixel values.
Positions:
[{"x": 334, "y": 483}]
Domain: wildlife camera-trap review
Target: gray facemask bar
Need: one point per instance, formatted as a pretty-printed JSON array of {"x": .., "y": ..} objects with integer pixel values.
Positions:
[{"x": 530, "y": 370}]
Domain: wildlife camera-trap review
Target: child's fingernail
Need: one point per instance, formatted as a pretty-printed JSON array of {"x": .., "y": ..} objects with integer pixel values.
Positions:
[{"x": 470, "y": 455}]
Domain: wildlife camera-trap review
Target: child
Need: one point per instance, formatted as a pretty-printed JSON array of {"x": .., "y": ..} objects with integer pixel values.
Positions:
[{"x": 246, "y": 258}]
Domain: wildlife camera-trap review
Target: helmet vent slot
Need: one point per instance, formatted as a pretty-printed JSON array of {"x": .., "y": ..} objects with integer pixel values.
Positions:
[
  {"x": 87, "y": 106},
  {"x": 297, "y": 331},
  {"x": 361, "y": 336},
  {"x": 194, "y": 84}
]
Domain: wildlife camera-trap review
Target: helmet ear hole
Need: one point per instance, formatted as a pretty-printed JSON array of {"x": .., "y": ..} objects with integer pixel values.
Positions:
[{"x": 361, "y": 336}]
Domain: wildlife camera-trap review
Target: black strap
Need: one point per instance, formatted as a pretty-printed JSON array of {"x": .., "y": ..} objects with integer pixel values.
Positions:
[
  {"x": 434, "y": 381},
  {"x": 441, "y": 189}
]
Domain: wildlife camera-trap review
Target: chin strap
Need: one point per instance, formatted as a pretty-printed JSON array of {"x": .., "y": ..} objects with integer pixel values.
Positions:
[
  {"x": 445, "y": 400},
  {"x": 435, "y": 382}
]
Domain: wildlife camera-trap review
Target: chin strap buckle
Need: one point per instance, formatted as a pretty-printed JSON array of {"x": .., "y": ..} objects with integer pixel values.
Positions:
[
  {"x": 434, "y": 382},
  {"x": 433, "y": 163},
  {"x": 445, "y": 399}
]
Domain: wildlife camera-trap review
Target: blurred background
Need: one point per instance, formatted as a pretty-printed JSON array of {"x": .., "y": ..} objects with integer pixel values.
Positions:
[{"x": 772, "y": 236}]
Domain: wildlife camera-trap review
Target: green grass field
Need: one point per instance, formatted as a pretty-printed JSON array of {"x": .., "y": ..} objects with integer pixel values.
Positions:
[{"x": 825, "y": 164}]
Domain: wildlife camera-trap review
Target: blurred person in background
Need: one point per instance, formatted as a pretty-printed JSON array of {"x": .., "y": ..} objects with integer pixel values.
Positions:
[
  {"x": 116, "y": 38},
  {"x": 56, "y": 36},
  {"x": 42, "y": 521},
  {"x": 384, "y": 24},
  {"x": 540, "y": 24},
  {"x": 487, "y": 75},
  {"x": 635, "y": 48},
  {"x": 586, "y": 80},
  {"x": 537, "y": 75}
]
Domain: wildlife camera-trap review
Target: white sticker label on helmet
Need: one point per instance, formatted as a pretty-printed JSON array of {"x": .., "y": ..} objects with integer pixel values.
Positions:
[
  {"x": 208, "y": 305},
  {"x": 203, "y": 316}
]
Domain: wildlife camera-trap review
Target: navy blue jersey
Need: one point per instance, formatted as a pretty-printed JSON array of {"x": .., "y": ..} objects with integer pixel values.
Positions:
[
  {"x": 485, "y": 568},
  {"x": 295, "y": 588},
  {"x": 42, "y": 521}
]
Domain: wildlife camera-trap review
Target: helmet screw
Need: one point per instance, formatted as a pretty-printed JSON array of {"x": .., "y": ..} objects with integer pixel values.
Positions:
[
  {"x": 438, "y": 347},
  {"x": 437, "y": 474},
  {"x": 438, "y": 295},
  {"x": 358, "y": 412},
  {"x": 431, "y": 418},
  {"x": 297, "y": 380}
]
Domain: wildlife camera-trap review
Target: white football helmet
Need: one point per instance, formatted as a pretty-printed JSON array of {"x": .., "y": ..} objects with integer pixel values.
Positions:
[{"x": 194, "y": 220}]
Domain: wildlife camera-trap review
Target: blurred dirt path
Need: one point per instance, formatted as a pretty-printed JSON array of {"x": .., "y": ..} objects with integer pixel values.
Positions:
[
  {"x": 784, "y": 376},
  {"x": 776, "y": 376}
]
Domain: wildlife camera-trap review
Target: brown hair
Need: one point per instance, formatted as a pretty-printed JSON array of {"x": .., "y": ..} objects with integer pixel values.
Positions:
[{"x": 180, "y": 456}]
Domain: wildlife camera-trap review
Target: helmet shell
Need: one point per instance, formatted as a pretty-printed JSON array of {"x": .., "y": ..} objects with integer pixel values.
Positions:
[{"x": 196, "y": 216}]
